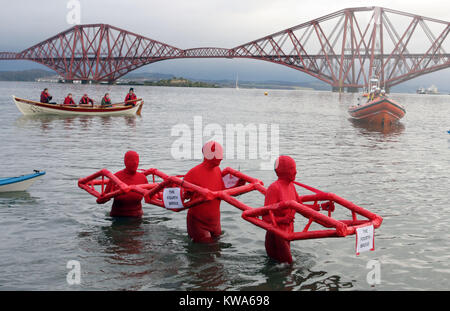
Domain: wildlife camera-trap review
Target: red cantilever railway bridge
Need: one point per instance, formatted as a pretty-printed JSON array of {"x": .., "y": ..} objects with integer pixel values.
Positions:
[{"x": 343, "y": 49}]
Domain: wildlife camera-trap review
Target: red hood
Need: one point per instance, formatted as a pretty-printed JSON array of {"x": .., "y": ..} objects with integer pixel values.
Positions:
[
  {"x": 131, "y": 161},
  {"x": 212, "y": 153},
  {"x": 285, "y": 168}
]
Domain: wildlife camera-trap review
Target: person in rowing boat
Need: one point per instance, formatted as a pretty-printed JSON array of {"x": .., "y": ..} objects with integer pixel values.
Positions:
[
  {"x": 281, "y": 190},
  {"x": 130, "y": 97},
  {"x": 106, "y": 101},
  {"x": 203, "y": 220},
  {"x": 68, "y": 101},
  {"x": 128, "y": 204},
  {"x": 46, "y": 97},
  {"x": 85, "y": 101}
]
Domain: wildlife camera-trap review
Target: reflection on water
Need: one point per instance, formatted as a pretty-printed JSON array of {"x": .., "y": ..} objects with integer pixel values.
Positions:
[
  {"x": 131, "y": 121},
  {"x": 17, "y": 198},
  {"x": 333, "y": 282},
  {"x": 298, "y": 276},
  {"x": 124, "y": 237},
  {"x": 206, "y": 271},
  {"x": 47, "y": 122},
  {"x": 388, "y": 129}
]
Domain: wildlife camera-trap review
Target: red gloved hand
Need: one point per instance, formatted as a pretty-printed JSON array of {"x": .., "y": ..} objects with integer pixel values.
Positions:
[
  {"x": 327, "y": 206},
  {"x": 102, "y": 200}
]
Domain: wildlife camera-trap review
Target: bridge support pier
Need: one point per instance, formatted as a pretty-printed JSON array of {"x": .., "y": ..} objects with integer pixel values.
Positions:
[
  {"x": 337, "y": 89},
  {"x": 341, "y": 89}
]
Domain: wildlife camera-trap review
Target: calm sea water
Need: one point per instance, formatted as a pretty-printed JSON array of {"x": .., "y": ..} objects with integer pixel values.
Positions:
[{"x": 401, "y": 174}]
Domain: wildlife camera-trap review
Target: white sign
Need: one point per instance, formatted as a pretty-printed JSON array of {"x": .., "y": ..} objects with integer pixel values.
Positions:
[
  {"x": 365, "y": 238},
  {"x": 172, "y": 198},
  {"x": 230, "y": 181}
]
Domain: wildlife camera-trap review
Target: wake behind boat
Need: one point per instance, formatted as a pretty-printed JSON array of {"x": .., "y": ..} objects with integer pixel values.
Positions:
[
  {"x": 30, "y": 107},
  {"x": 19, "y": 183}
]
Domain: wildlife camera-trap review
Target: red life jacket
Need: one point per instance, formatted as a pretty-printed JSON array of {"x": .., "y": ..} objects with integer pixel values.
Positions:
[
  {"x": 86, "y": 101},
  {"x": 106, "y": 101},
  {"x": 130, "y": 97},
  {"x": 45, "y": 98},
  {"x": 69, "y": 101}
]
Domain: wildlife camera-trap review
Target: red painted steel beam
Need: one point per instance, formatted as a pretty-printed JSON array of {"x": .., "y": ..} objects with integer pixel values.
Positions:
[{"x": 343, "y": 57}]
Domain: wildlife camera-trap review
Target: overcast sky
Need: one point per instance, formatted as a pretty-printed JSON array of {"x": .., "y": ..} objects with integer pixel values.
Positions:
[{"x": 184, "y": 23}]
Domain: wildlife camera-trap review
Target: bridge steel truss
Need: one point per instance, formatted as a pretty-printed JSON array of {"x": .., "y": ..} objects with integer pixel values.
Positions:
[{"x": 343, "y": 49}]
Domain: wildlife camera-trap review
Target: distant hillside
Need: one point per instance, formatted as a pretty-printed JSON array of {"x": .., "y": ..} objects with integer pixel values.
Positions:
[
  {"x": 147, "y": 76},
  {"x": 25, "y": 75},
  {"x": 176, "y": 82},
  {"x": 286, "y": 85}
]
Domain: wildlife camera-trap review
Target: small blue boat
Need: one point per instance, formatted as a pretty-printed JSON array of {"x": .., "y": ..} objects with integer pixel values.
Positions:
[{"x": 19, "y": 183}]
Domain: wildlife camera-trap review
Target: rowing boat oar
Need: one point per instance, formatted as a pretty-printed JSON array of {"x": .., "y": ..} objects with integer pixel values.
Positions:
[{"x": 138, "y": 112}]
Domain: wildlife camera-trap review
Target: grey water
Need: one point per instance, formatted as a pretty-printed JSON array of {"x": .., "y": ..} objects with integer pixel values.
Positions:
[{"x": 401, "y": 174}]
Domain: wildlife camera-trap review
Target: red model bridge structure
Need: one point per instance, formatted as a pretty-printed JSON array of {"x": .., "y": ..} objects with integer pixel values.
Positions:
[
  {"x": 316, "y": 208},
  {"x": 342, "y": 49}
]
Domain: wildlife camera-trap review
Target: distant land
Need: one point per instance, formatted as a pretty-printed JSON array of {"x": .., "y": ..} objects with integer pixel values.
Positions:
[
  {"x": 174, "y": 82},
  {"x": 272, "y": 84},
  {"x": 150, "y": 76},
  {"x": 164, "y": 79},
  {"x": 25, "y": 75},
  {"x": 145, "y": 77}
]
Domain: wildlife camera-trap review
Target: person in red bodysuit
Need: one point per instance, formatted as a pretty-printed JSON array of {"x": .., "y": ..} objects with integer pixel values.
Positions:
[
  {"x": 128, "y": 204},
  {"x": 203, "y": 220},
  {"x": 281, "y": 190}
]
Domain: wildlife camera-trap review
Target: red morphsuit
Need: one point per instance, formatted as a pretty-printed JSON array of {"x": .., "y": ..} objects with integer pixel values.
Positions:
[
  {"x": 128, "y": 204},
  {"x": 281, "y": 190},
  {"x": 203, "y": 220}
]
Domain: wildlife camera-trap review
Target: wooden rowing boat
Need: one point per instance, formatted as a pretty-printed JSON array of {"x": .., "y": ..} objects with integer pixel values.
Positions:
[{"x": 30, "y": 107}]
